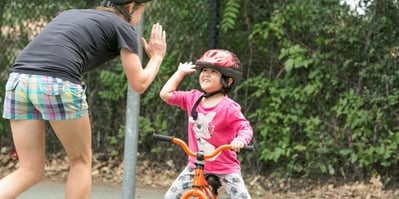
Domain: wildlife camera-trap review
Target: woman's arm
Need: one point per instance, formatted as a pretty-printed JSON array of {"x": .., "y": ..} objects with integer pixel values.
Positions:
[{"x": 140, "y": 78}]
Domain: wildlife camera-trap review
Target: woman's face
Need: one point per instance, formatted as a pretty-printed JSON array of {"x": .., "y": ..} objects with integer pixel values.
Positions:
[
  {"x": 138, "y": 11},
  {"x": 209, "y": 80}
]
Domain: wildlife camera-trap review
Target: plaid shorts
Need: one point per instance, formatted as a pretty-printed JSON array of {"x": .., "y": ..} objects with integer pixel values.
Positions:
[{"x": 31, "y": 97}]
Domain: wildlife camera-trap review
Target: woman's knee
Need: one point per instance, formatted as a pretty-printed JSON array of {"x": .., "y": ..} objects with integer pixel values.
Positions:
[
  {"x": 83, "y": 159},
  {"x": 34, "y": 174}
]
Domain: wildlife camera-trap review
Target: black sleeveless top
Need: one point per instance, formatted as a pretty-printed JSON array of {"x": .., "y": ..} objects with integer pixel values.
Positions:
[{"x": 74, "y": 42}]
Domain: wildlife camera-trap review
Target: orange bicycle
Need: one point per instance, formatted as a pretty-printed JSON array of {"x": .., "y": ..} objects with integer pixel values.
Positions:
[{"x": 204, "y": 186}]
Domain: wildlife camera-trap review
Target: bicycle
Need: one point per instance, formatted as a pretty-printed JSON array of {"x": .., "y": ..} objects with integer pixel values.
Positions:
[{"x": 204, "y": 186}]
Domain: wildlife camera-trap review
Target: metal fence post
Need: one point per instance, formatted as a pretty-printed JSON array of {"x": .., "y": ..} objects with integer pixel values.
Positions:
[{"x": 131, "y": 132}]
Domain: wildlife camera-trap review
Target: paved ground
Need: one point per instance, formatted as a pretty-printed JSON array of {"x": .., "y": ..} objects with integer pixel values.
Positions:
[{"x": 47, "y": 190}]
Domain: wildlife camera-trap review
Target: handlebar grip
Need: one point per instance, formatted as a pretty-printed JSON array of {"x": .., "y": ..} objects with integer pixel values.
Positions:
[
  {"x": 160, "y": 137},
  {"x": 248, "y": 148}
]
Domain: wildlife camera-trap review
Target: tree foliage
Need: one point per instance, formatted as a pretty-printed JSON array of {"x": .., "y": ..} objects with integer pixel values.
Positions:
[{"x": 320, "y": 85}]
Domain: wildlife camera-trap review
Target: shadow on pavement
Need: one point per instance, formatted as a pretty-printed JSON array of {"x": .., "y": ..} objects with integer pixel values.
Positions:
[{"x": 48, "y": 190}]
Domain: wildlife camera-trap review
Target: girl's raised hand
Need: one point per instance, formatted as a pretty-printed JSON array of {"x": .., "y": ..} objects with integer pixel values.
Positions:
[{"x": 187, "y": 68}]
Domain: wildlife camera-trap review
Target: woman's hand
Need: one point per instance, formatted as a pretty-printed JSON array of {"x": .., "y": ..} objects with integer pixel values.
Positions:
[{"x": 156, "y": 46}]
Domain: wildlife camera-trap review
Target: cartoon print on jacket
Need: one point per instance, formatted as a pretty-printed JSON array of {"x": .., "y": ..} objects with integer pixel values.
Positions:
[{"x": 203, "y": 131}]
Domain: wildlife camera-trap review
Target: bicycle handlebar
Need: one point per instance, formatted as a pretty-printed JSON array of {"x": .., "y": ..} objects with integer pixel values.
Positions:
[
  {"x": 162, "y": 137},
  {"x": 186, "y": 149}
]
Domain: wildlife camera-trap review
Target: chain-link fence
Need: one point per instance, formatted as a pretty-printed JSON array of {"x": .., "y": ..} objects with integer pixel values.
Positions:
[
  {"x": 192, "y": 27},
  {"x": 21, "y": 20}
]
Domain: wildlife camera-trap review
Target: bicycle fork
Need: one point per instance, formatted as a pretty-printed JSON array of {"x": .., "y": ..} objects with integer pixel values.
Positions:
[{"x": 200, "y": 189}]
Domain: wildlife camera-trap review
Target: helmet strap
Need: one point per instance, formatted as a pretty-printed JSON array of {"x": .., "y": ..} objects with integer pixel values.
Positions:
[
  {"x": 194, "y": 113},
  {"x": 226, "y": 85},
  {"x": 224, "y": 80},
  {"x": 225, "y": 88},
  {"x": 125, "y": 13},
  {"x": 213, "y": 93},
  {"x": 107, "y": 3}
]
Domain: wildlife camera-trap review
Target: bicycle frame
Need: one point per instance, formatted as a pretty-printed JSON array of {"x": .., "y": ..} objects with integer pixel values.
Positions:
[{"x": 200, "y": 188}]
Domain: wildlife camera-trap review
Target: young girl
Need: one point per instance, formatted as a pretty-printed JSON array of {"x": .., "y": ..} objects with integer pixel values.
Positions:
[{"x": 214, "y": 120}]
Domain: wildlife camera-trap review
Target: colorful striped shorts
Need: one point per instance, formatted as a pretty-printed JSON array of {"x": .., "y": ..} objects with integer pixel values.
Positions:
[{"x": 37, "y": 97}]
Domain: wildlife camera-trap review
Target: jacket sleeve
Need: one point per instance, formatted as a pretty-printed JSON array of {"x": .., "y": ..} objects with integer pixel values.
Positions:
[{"x": 242, "y": 126}]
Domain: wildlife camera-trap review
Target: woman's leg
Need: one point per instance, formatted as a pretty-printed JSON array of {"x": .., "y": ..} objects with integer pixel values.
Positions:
[
  {"x": 29, "y": 141},
  {"x": 75, "y": 136}
]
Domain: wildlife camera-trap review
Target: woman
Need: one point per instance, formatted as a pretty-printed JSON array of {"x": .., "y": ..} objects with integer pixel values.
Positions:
[{"x": 45, "y": 85}]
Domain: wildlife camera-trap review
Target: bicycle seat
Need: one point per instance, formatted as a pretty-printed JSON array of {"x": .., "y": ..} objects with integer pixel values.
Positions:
[{"x": 213, "y": 181}]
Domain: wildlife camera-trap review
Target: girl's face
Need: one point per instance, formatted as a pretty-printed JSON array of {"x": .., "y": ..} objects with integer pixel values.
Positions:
[{"x": 209, "y": 80}]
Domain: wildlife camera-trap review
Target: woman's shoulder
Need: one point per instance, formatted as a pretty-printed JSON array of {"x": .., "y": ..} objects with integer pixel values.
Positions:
[
  {"x": 82, "y": 14},
  {"x": 94, "y": 14},
  {"x": 75, "y": 11}
]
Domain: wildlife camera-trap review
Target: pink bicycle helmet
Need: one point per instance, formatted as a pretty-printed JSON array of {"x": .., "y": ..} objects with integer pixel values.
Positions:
[
  {"x": 226, "y": 63},
  {"x": 222, "y": 60}
]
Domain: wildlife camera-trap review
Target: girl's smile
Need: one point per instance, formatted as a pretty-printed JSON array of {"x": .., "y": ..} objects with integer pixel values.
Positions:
[{"x": 210, "y": 79}]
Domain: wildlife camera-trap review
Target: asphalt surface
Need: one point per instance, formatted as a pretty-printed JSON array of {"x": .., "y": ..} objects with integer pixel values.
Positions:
[{"x": 47, "y": 190}]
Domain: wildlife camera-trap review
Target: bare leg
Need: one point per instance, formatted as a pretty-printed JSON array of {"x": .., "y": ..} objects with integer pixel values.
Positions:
[
  {"x": 75, "y": 136},
  {"x": 29, "y": 141}
]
